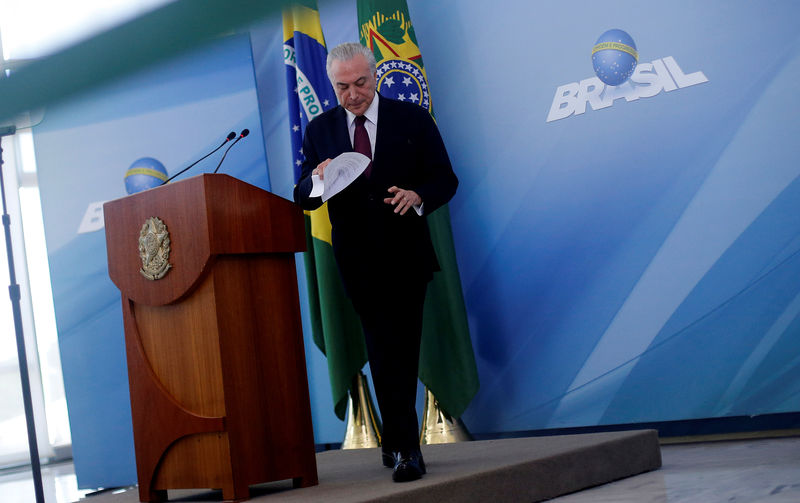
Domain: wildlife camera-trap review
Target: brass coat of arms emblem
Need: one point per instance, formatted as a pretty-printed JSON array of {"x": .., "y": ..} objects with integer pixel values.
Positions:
[{"x": 154, "y": 249}]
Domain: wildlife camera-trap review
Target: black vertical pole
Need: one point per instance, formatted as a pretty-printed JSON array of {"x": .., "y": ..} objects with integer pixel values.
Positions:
[{"x": 13, "y": 290}]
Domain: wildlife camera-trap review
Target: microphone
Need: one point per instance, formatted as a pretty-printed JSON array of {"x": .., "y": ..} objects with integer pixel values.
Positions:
[
  {"x": 230, "y": 137},
  {"x": 244, "y": 133}
]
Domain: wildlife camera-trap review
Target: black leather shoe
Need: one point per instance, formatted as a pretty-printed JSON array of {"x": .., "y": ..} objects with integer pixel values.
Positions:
[{"x": 408, "y": 466}]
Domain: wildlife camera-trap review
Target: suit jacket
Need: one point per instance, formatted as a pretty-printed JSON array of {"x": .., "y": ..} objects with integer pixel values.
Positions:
[{"x": 375, "y": 247}]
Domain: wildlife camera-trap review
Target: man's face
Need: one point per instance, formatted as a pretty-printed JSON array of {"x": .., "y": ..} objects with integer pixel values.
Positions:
[{"x": 354, "y": 84}]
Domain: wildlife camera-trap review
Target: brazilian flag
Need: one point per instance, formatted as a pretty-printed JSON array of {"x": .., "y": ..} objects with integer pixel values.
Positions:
[
  {"x": 335, "y": 325},
  {"x": 447, "y": 362}
]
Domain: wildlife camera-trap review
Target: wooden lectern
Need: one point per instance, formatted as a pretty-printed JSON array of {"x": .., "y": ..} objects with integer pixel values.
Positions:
[{"x": 219, "y": 393}]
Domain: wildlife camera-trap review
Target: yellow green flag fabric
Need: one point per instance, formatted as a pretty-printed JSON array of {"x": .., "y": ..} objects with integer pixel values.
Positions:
[
  {"x": 447, "y": 362},
  {"x": 335, "y": 325}
]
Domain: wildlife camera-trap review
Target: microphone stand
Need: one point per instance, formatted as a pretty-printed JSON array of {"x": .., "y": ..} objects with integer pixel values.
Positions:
[
  {"x": 230, "y": 137},
  {"x": 244, "y": 133},
  {"x": 14, "y": 292}
]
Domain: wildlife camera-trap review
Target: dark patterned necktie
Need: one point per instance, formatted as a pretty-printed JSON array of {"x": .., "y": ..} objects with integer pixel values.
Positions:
[{"x": 361, "y": 142}]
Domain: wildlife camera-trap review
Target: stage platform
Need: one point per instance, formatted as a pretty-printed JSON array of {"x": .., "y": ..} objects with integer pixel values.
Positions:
[{"x": 518, "y": 469}]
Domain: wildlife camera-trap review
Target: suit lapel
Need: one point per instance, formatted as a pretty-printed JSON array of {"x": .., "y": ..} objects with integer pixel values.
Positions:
[
  {"x": 341, "y": 135},
  {"x": 384, "y": 123}
]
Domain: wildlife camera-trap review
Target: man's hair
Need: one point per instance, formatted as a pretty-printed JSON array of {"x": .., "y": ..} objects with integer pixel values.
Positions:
[{"x": 346, "y": 52}]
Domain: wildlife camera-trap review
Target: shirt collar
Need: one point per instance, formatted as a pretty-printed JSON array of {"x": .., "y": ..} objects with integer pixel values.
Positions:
[{"x": 371, "y": 114}]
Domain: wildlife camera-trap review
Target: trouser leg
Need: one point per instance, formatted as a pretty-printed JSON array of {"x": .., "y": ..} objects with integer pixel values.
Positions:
[{"x": 393, "y": 331}]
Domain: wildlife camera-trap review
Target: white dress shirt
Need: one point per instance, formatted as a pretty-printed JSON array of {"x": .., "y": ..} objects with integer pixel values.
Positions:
[{"x": 371, "y": 125}]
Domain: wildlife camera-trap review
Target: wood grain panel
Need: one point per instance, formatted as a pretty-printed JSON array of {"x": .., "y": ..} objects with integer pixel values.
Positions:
[
  {"x": 181, "y": 342},
  {"x": 206, "y": 215},
  {"x": 266, "y": 384},
  {"x": 202, "y": 460},
  {"x": 158, "y": 419}
]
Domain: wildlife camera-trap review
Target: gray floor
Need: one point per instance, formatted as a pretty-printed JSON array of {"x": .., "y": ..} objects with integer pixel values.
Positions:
[
  {"x": 735, "y": 471},
  {"x": 740, "y": 471}
]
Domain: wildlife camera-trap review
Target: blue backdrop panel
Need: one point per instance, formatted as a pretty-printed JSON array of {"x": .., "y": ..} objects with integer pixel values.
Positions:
[
  {"x": 175, "y": 113},
  {"x": 622, "y": 264},
  {"x": 621, "y": 248}
]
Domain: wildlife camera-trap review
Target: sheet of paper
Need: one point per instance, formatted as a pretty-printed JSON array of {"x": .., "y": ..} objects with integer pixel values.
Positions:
[
  {"x": 318, "y": 186},
  {"x": 341, "y": 172}
]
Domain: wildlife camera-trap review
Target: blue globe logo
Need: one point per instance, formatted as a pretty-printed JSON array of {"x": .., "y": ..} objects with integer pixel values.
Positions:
[
  {"x": 144, "y": 174},
  {"x": 614, "y": 57}
]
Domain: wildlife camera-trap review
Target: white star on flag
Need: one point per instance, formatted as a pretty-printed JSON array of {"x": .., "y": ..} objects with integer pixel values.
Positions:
[
  {"x": 414, "y": 97},
  {"x": 298, "y": 162},
  {"x": 325, "y": 103},
  {"x": 295, "y": 128},
  {"x": 407, "y": 81},
  {"x": 401, "y": 97},
  {"x": 389, "y": 82}
]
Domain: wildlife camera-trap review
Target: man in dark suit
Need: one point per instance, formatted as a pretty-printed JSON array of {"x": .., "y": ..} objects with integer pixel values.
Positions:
[{"x": 380, "y": 235}]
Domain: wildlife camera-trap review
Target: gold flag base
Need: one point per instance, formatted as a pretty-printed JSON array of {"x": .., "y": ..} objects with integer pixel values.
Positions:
[
  {"x": 438, "y": 427},
  {"x": 362, "y": 428}
]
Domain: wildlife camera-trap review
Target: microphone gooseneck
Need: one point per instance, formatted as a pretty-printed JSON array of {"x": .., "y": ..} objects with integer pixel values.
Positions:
[
  {"x": 230, "y": 137},
  {"x": 244, "y": 133}
]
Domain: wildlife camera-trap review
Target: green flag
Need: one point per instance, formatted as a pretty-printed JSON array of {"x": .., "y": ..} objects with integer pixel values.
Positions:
[
  {"x": 447, "y": 362},
  {"x": 336, "y": 328}
]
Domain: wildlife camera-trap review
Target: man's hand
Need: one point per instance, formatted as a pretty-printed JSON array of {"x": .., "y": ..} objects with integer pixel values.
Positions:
[
  {"x": 403, "y": 199},
  {"x": 320, "y": 169}
]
